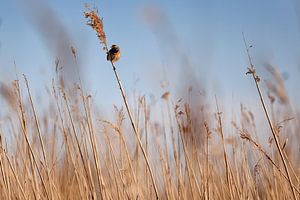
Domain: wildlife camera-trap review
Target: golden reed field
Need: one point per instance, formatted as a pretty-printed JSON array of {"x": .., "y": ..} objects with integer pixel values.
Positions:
[{"x": 70, "y": 152}]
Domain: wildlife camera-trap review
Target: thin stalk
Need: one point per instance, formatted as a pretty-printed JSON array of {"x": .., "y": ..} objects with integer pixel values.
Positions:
[
  {"x": 94, "y": 146},
  {"x": 97, "y": 24},
  {"x": 254, "y": 143},
  {"x": 91, "y": 131},
  {"x": 146, "y": 140},
  {"x": 116, "y": 164},
  {"x": 4, "y": 170},
  {"x": 68, "y": 146},
  {"x": 134, "y": 126},
  {"x": 277, "y": 142},
  {"x": 207, "y": 164},
  {"x": 23, "y": 123},
  {"x": 77, "y": 142},
  {"x": 224, "y": 150},
  {"x": 25, "y": 133},
  {"x": 188, "y": 168},
  {"x": 17, "y": 179},
  {"x": 82, "y": 95},
  {"x": 40, "y": 135}
]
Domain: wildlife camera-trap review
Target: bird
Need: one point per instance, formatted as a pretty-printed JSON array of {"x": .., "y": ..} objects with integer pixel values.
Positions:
[{"x": 113, "y": 54}]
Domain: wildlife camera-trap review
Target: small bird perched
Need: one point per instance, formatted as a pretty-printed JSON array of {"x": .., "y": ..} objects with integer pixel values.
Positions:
[{"x": 114, "y": 53}]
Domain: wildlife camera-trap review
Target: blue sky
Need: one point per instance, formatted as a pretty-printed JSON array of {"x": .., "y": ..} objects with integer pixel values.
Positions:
[{"x": 206, "y": 33}]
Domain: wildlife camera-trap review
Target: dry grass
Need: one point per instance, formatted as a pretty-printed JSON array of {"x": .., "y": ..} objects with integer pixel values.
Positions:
[{"x": 70, "y": 152}]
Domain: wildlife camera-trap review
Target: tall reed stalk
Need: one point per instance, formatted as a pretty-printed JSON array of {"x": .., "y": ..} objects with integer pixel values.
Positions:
[
  {"x": 256, "y": 79},
  {"x": 97, "y": 24}
]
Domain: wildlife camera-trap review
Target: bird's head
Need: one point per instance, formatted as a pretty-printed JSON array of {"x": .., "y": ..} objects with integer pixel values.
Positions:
[{"x": 115, "y": 47}]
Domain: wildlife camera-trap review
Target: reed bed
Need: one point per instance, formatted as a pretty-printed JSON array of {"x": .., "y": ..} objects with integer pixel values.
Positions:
[{"x": 71, "y": 151}]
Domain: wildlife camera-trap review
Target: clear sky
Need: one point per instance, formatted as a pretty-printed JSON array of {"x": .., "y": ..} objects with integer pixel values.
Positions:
[{"x": 200, "y": 40}]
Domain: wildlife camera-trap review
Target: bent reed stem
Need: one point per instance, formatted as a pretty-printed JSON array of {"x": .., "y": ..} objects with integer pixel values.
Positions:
[
  {"x": 133, "y": 125},
  {"x": 96, "y": 23},
  {"x": 256, "y": 79}
]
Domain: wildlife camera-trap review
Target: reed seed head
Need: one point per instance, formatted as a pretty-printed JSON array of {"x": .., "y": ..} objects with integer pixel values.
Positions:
[{"x": 97, "y": 24}]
